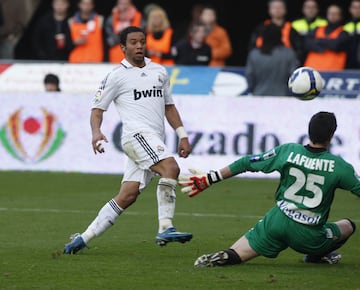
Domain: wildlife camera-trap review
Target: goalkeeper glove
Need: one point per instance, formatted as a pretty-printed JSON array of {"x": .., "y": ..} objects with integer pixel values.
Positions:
[{"x": 198, "y": 182}]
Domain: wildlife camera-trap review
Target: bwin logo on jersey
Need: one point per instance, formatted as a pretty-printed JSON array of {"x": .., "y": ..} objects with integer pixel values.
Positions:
[{"x": 148, "y": 93}]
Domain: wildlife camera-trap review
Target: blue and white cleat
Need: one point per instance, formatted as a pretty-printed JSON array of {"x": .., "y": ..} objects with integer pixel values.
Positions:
[
  {"x": 331, "y": 258},
  {"x": 171, "y": 235},
  {"x": 77, "y": 243}
]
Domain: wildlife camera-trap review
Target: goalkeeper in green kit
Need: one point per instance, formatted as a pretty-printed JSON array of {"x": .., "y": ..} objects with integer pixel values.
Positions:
[{"x": 309, "y": 176}]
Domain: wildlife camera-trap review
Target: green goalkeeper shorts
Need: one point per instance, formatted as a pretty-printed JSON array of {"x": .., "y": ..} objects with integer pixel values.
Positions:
[{"x": 276, "y": 232}]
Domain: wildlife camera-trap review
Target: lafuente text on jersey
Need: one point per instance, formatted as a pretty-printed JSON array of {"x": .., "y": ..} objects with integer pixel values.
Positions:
[
  {"x": 311, "y": 163},
  {"x": 148, "y": 93}
]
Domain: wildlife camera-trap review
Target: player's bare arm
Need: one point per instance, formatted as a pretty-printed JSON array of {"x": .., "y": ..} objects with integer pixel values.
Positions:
[
  {"x": 174, "y": 119},
  {"x": 96, "y": 118}
]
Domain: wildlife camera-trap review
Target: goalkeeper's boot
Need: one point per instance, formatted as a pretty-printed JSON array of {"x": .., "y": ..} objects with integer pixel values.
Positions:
[
  {"x": 77, "y": 243},
  {"x": 212, "y": 260},
  {"x": 331, "y": 258},
  {"x": 171, "y": 235}
]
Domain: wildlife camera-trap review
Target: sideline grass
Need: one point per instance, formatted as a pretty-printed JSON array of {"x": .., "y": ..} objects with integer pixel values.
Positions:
[{"x": 39, "y": 210}]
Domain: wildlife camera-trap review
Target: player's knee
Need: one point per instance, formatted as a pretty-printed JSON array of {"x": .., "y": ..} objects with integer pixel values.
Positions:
[
  {"x": 167, "y": 168},
  {"x": 171, "y": 168},
  {"x": 176, "y": 170},
  {"x": 126, "y": 199},
  {"x": 352, "y": 224},
  {"x": 347, "y": 227}
]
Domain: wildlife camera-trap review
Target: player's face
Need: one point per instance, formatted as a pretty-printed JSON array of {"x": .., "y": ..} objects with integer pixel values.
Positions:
[{"x": 135, "y": 48}]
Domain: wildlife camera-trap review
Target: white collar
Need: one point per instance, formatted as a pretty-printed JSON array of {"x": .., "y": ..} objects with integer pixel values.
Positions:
[{"x": 127, "y": 64}]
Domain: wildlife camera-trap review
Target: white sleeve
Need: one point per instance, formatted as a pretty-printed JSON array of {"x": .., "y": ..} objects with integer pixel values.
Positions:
[
  {"x": 168, "y": 97},
  {"x": 105, "y": 94}
]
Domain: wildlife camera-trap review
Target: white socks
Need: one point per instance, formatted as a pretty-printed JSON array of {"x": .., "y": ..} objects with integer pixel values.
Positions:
[
  {"x": 166, "y": 198},
  {"x": 107, "y": 215},
  {"x": 105, "y": 219}
]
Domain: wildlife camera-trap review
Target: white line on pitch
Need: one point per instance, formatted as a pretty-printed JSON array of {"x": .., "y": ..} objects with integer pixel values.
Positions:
[
  {"x": 51, "y": 210},
  {"x": 196, "y": 214}
]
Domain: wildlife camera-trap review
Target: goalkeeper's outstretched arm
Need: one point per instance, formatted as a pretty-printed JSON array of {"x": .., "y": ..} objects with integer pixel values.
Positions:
[{"x": 199, "y": 181}]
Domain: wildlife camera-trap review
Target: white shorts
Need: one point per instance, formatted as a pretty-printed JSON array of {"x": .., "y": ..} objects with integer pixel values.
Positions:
[{"x": 143, "y": 150}]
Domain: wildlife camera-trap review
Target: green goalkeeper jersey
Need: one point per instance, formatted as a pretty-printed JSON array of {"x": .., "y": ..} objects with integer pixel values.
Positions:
[{"x": 308, "y": 179}]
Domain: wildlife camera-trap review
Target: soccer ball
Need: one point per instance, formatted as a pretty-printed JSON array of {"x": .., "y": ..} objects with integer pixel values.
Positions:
[{"x": 305, "y": 83}]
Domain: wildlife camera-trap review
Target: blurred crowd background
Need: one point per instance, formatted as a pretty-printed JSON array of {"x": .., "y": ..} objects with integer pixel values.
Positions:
[{"x": 239, "y": 18}]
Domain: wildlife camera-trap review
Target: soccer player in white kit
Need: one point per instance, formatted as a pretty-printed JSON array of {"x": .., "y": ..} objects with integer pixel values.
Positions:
[{"x": 139, "y": 89}]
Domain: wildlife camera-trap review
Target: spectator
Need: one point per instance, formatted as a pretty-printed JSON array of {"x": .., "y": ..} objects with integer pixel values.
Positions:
[
  {"x": 262, "y": 62},
  {"x": 326, "y": 45},
  {"x": 145, "y": 13},
  {"x": 183, "y": 28},
  {"x": 124, "y": 14},
  {"x": 193, "y": 50},
  {"x": 217, "y": 37},
  {"x": 159, "y": 37},
  {"x": 277, "y": 11},
  {"x": 310, "y": 20},
  {"x": 353, "y": 28},
  {"x": 86, "y": 27},
  {"x": 52, "y": 83},
  {"x": 51, "y": 35},
  {"x": 14, "y": 20}
]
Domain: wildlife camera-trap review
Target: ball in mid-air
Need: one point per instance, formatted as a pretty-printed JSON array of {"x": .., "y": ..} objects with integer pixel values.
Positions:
[{"x": 305, "y": 83}]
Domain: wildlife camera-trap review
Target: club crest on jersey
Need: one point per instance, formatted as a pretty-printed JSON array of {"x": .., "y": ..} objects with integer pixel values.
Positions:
[
  {"x": 160, "y": 79},
  {"x": 156, "y": 92},
  {"x": 160, "y": 149}
]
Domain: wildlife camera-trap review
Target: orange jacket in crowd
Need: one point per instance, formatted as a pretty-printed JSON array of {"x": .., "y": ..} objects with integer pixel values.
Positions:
[
  {"x": 93, "y": 49},
  {"x": 162, "y": 45},
  {"x": 116, "y": 54},
  {"x": 220, "y": 44},
  {"x": 328, "y": 59}
]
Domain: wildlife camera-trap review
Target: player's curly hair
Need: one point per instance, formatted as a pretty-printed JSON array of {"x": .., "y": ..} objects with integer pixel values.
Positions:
[
  {"x": 322, "y": 127},
  {"x": 126, "y": 31}
]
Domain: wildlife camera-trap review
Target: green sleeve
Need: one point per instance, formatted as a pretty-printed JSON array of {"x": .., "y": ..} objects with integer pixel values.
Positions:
[
  {"x": 351, "y": 180},
  {"x": 239, "y": 166},
  {"x": 266, "y": 162}
]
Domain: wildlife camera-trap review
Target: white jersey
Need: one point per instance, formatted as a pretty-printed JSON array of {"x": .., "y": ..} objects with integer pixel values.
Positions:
[{"x": 139, "y": 95}]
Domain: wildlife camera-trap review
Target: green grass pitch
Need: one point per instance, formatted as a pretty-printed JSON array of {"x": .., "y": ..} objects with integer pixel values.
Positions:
[{"x": 39, "y": 211}]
